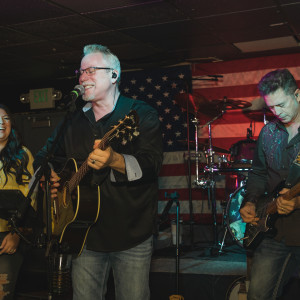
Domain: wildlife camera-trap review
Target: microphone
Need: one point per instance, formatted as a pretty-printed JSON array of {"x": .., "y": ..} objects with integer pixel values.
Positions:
[
  {"x": 76, "y": 92},
  {"x": 216, "y": 76},
  {"x": 69, "y": 100}
]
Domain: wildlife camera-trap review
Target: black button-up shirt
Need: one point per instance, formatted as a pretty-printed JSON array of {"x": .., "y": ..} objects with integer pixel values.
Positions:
[{"x": 273, "y": 158}]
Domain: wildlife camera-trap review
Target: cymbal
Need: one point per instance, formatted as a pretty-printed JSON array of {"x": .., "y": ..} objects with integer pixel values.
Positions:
[
  {"x": 197, "y": 103},
  {"x": 236, "y": 104},
  {"x": 259, "y": 115},
  {"x": 192, "y": 102},
  {"x": 204, "y": 147}
]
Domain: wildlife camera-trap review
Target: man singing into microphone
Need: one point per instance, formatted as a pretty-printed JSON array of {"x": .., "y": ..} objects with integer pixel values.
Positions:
[{"x": 127, "y": 173}]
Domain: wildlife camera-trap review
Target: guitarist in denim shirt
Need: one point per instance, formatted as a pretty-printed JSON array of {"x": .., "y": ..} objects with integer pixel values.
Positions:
[
  {"x": 127, "y": 175},
  {"x": 277, "y": 256}
]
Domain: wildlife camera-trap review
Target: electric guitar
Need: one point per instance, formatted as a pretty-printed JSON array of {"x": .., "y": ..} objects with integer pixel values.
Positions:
[
  {"x": 76, "y": 208},
  {"x": 266, "y": 211}
]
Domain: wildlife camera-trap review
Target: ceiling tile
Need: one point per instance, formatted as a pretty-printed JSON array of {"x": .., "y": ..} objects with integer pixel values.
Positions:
[
  {"x": 136, "y": 16},
  {"x": 241, "y": 27},
  {"x": 60, "y": 27},
  {"x": 92, "y": 5},
  {"x": 196, "y": 8},
  {"x": 20, "y": 11}
]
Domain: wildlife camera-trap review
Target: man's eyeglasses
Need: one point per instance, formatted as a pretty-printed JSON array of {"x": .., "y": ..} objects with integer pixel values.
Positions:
[{"x": 90, "y": 71}]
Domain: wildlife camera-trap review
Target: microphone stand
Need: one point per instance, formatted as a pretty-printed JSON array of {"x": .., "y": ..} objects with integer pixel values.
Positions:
[{"x": 45, "y": 171}]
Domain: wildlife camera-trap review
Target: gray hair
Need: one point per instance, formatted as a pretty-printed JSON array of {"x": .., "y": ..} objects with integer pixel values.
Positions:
[{"x": 111, "y": 58}]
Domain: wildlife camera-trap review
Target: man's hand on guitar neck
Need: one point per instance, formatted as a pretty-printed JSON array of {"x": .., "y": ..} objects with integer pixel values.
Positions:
[
  {"x": 248, "y": 213},
  {"x": 284, "y": 207},
  {"x": 99, "y": 159}
]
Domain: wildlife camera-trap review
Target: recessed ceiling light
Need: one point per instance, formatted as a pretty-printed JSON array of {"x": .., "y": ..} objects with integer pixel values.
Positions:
[{"x": 268, "y": 44}]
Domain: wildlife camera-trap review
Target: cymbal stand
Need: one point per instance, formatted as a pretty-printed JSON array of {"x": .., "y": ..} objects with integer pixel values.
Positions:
[
  {"x": 196, "y": 122},
  {"x": 209, "y": 182},
  {"x": 212, "y": 186}
]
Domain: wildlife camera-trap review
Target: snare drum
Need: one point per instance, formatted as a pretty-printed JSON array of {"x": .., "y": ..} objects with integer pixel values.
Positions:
[{"x": 242, "y": 152}]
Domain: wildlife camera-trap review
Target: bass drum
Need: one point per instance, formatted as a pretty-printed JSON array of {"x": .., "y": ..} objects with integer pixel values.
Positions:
[
  {"x": 235, "y": 224},
  {"x": 235, "y": 288}
]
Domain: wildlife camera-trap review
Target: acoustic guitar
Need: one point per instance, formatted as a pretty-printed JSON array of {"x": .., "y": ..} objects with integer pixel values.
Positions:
[{"x": 76, "y": 208}]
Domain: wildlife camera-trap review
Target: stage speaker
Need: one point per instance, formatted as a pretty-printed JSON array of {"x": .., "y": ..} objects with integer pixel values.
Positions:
[{"x": 36, "y": 127}]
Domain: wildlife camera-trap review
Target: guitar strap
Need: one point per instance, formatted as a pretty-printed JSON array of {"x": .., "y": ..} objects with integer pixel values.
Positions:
[
  {"x": 294, "y": 172},
  {"x": 123, "y": 108}
]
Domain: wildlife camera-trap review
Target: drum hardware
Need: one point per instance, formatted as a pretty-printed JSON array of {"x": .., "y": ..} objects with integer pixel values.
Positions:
[
  {"x": 198, "y": 104},
  {"x": 209, "y": 182},
  {"x": 249, "y": 131},
  {"x": 203, "y": 146}
]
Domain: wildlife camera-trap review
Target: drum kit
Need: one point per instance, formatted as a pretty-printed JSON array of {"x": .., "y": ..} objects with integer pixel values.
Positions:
[{"x": 237, "y": 160}]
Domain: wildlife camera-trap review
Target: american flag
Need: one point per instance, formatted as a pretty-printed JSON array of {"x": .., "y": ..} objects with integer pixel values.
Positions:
[
  {"x": 159, "y": 88},
  {"x": 239, "y": 82}
]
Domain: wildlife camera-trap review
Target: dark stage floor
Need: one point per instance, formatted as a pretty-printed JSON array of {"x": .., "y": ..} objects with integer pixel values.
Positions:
[{"x": 203, "y": 274}]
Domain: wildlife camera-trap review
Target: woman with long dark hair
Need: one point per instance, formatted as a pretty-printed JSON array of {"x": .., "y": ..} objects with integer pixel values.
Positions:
[{"x": 15, "y": 173}]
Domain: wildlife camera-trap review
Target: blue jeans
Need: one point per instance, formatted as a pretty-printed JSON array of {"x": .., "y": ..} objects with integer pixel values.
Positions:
[
  {"x": 130, "y": 268},
  {"x": 272, "y": 266}
]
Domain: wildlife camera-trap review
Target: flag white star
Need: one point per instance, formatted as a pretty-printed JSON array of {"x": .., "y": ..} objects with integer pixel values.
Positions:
[{"x": 156, "y": 89}]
